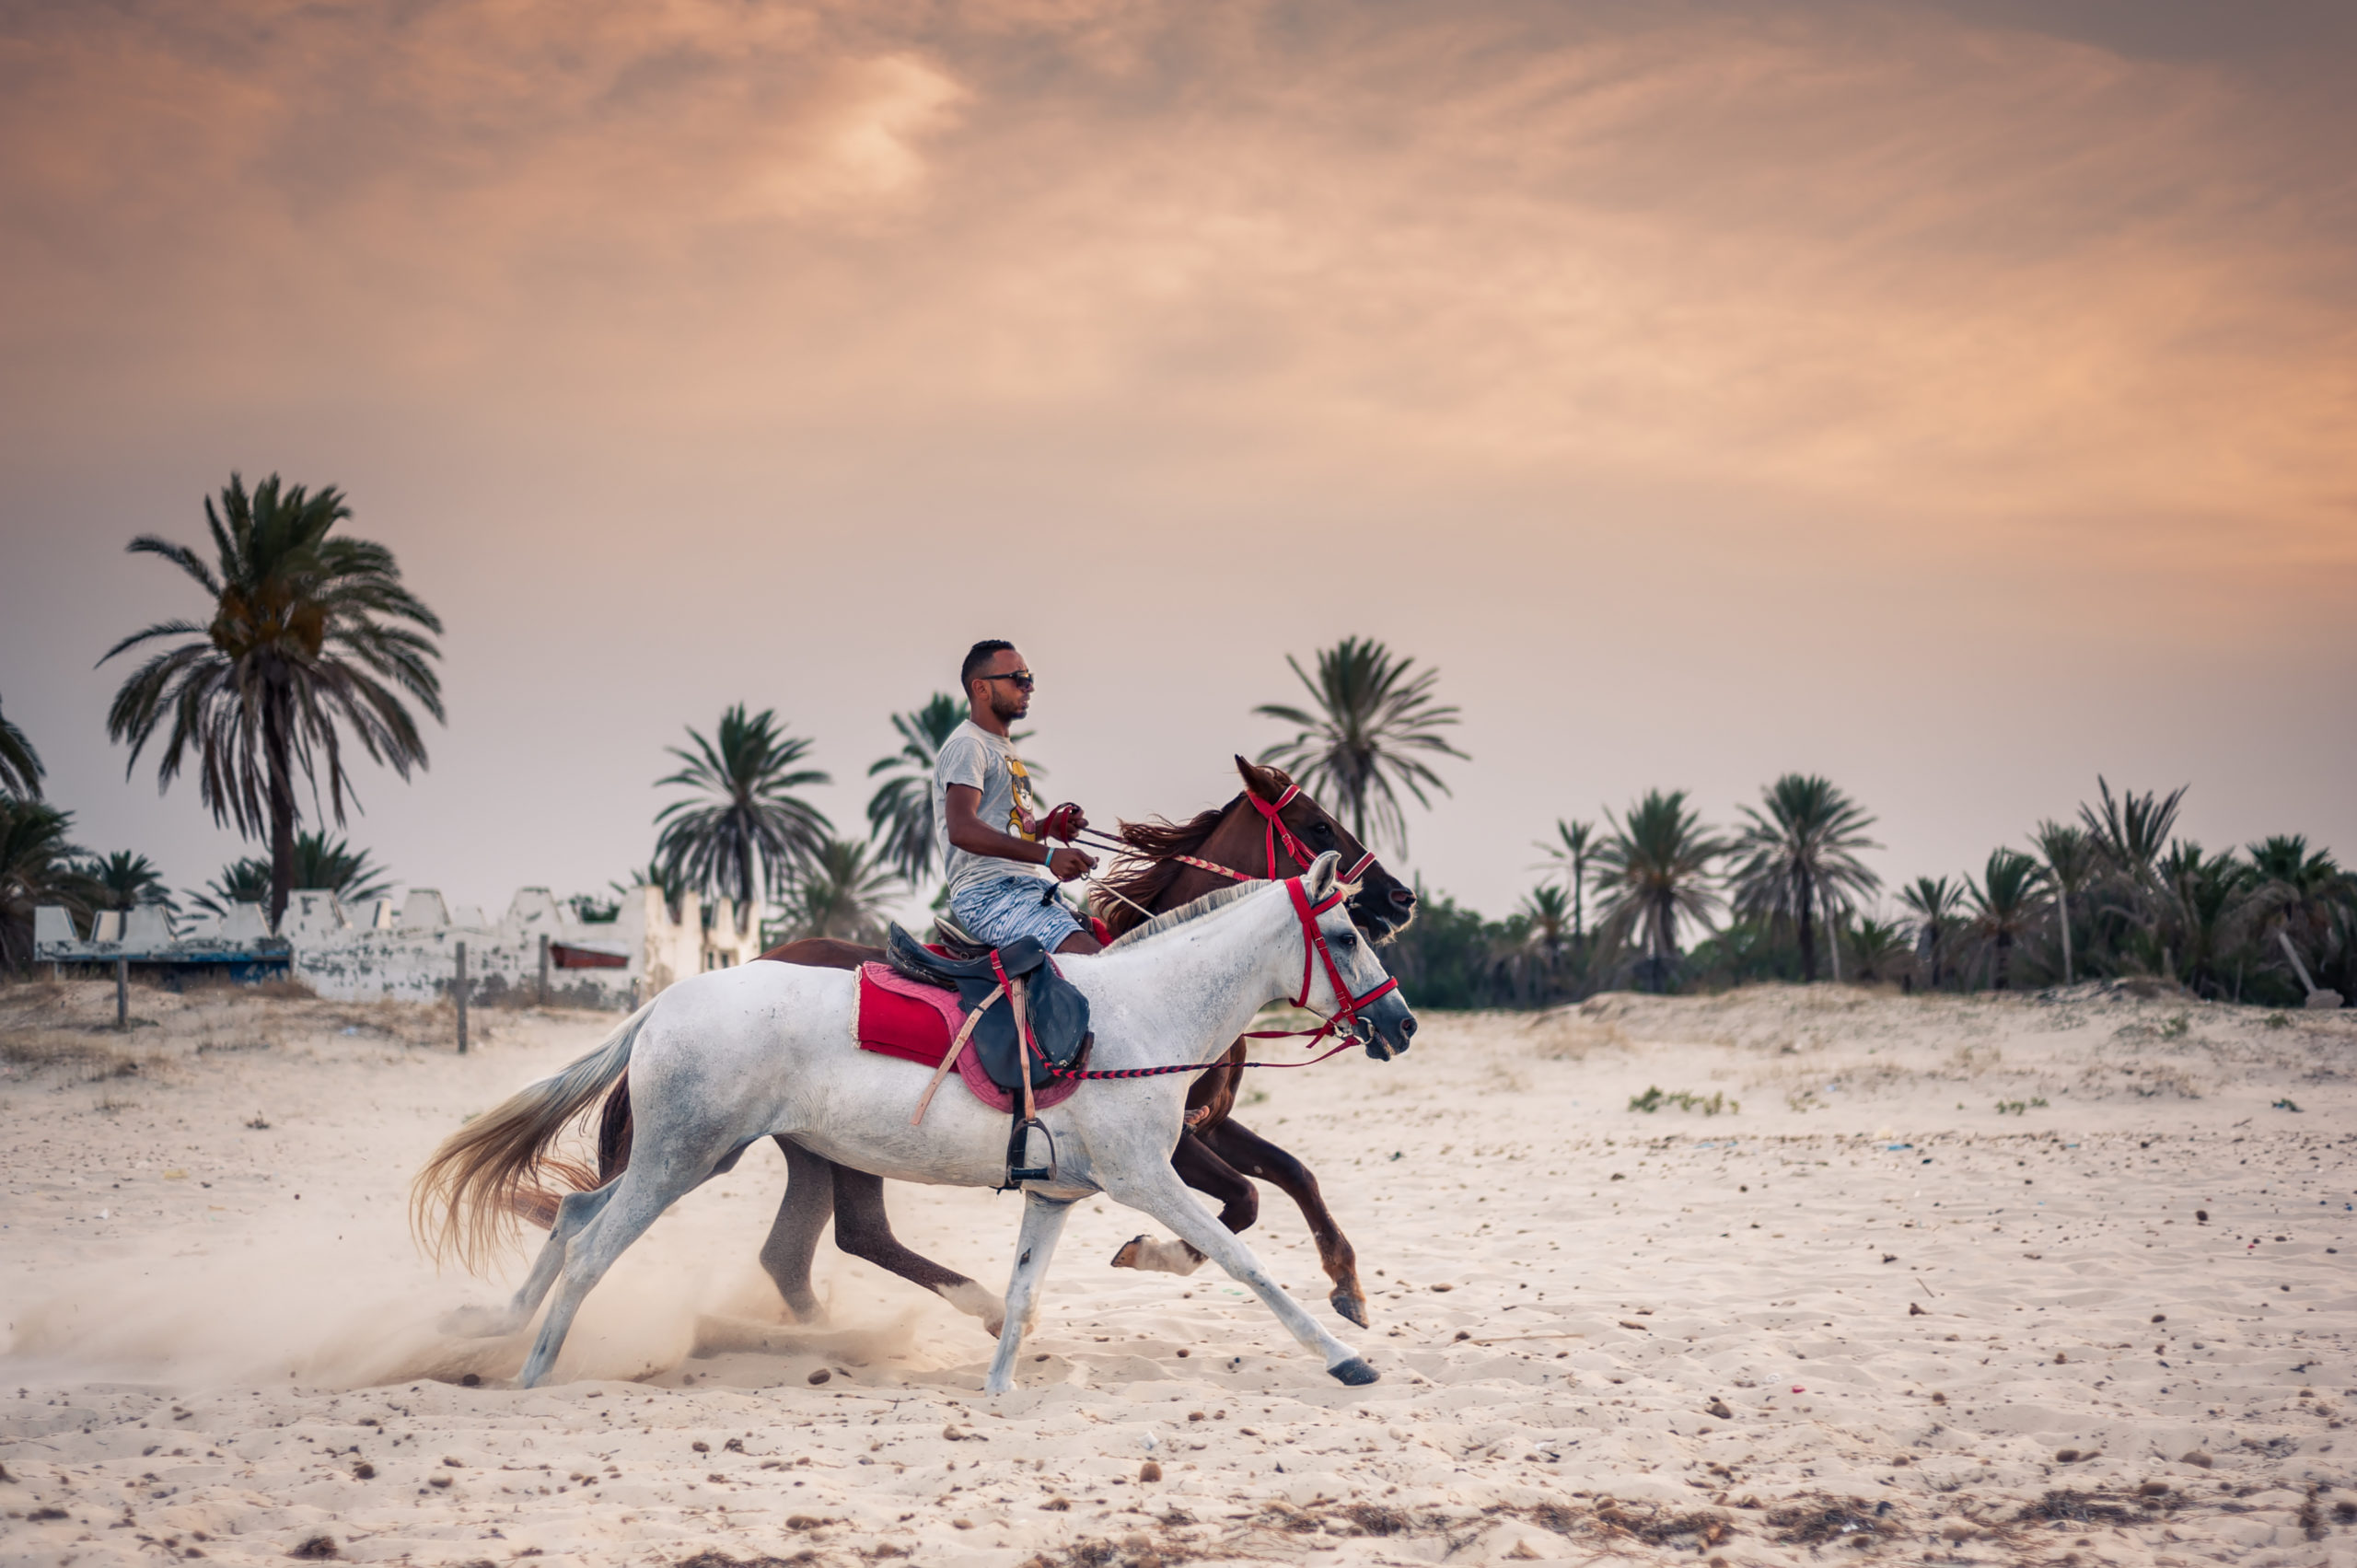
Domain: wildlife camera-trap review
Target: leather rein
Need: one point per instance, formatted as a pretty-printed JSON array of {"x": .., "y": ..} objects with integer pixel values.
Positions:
[{"x": 1303, "y": 856}]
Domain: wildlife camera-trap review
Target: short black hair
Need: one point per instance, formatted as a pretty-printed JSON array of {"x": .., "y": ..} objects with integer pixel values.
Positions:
[{"x": 977, "y": 657}]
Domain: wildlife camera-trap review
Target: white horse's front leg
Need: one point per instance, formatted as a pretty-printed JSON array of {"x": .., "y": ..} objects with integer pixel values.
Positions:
[
  {"x": 1043, "y": 1224},
  {"x": 1159, "y": 1193}
]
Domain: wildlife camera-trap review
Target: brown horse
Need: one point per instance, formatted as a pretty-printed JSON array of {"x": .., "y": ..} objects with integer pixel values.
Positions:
[{"x": 1216, "y": 1155}]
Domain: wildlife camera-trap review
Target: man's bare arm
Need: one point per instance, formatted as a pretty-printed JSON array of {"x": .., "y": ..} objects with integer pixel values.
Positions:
[{"x": 969, "y": 832}]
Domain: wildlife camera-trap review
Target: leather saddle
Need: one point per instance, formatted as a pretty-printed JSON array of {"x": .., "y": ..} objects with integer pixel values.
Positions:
[{"x": 1058, "y": 1011}]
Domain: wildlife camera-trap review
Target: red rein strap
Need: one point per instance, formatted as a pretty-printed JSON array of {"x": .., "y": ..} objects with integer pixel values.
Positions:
[
  {"x": 1315, "y": 949},
  {"x": 1301, "y": 856}
]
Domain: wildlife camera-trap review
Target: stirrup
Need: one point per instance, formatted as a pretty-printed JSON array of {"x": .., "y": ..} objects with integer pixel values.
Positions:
[{"x": 1018, "y": 1145}]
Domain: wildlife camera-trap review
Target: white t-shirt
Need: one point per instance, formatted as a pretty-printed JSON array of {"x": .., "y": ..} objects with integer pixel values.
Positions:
[{"x": 972, "y": 756}]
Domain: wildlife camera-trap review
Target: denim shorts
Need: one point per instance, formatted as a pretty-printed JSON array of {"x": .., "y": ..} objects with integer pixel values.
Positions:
[{"x": 1005, "y": 908}]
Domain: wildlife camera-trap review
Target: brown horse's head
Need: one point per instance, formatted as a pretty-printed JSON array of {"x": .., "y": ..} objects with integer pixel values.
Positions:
[{"x": 1382, "y": 907}]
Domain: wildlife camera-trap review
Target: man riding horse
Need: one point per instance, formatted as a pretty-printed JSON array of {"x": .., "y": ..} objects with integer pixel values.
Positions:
[{"x": 987, "y": 822}]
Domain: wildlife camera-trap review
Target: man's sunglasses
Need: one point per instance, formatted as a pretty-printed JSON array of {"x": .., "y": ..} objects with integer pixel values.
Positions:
[{"x": 1021, "y": 678}]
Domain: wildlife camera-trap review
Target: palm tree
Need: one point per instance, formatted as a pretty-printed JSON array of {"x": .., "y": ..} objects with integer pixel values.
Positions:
[
  {"x": 1800, "y": 858},
  {"x": 2205, "y": 901},
  {"x": 2005, "y": 905},
  {"x": 2130, "y": 833},
  {"x": 843, "y": 893},
  {"x": 1568, "y": 858},
  {"x": 1652, "y": 872},
  {"x": 1373, "y": 720},
  {"x": 900, "y": 814},
  {"x": 321, "y": 863},
  {"x": 126, "y": 881},
  {"x": 20, "y": 769},
  {"x": 38, "y": 865},
  {"x": 1876, "y": 946},
  {"x": 2067, "y": 857},
  {"x": 2293, "y": 894},
  {"x": 749, "y": 835},
  {"x": 1936, "y": 901},
  {"x": 1547, "y": 910},
  {"x": 309, "y": 634}
]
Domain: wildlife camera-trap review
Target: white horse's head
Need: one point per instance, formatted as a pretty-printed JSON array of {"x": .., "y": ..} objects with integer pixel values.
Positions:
[{"x": 1385, "y": 1024}]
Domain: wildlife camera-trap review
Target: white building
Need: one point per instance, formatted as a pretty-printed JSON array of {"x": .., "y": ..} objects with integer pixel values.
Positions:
[{"x": 408, "y": 951}]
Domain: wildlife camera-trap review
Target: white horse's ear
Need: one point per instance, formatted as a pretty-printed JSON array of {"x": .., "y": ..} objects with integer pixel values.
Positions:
[{"x": 1319, "y": 880}]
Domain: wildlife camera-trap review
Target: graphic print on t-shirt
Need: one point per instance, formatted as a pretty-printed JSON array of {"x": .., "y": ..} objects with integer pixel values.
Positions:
[{"x": 1022, "y": 819}]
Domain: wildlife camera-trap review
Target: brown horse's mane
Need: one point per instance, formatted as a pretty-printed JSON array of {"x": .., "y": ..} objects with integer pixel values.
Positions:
[{"x": 1146, "y": 875}]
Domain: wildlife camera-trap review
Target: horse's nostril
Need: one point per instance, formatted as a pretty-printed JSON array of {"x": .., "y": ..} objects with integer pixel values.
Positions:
[
  {"x": 1404, "y": 896},
  {"x": 1407, "y": 1027}
]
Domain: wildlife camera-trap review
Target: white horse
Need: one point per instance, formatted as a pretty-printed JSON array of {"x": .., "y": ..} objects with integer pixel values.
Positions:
[{"x": 729, "y": 1057}]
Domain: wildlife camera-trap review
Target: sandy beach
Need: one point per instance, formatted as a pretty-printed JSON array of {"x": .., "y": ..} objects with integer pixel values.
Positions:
[{"x": 2035, "y": 1278}]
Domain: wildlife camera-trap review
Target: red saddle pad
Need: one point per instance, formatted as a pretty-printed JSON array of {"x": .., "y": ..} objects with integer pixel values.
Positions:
[{"x": 900, "y": 1016}]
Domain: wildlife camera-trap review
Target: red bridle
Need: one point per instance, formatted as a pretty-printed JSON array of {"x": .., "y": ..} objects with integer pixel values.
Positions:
[
  {"x": 1303, "y": 857},
  {"x": 1314, "y": 940}
]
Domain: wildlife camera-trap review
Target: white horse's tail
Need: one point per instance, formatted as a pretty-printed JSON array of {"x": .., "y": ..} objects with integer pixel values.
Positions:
[{"x": 466, "y": 1199}]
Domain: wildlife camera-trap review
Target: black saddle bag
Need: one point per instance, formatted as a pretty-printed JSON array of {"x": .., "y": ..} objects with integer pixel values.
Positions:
[{"x": 1058, "y": 1011}]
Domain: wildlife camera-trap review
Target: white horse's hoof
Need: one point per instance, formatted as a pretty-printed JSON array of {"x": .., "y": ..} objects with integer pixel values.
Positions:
[
  {"x": 1157, "y": 1257},
  {"x": 975, "y": 1302},
  {"x": 1355, "y": 1372}
]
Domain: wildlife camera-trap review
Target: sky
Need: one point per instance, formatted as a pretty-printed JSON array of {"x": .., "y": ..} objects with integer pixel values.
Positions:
[{"x": 1956, "y": 400}]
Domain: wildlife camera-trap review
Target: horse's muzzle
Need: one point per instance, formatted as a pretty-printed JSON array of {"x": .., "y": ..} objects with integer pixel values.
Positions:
[{"x": 1388, "y": 1028}]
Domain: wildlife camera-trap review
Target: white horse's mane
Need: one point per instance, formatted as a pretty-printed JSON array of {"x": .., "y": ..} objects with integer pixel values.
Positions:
[{"x": 1211, "y": 903}]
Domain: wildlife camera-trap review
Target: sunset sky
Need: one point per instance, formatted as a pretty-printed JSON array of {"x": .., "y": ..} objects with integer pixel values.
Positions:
[{"x": 1958, "y": 399}]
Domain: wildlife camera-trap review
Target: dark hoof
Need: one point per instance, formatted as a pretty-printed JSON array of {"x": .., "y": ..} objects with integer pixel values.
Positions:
[
  {"x": 1350, "y": 1305},
  {"x": 1354, "y": 1373}
]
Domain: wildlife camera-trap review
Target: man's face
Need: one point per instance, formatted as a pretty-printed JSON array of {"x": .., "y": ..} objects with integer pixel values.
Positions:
[{"x": 1009, "y": 700}]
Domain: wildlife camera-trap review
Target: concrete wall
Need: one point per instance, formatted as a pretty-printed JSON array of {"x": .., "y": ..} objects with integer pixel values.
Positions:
[{"x": 409, "y": 952}]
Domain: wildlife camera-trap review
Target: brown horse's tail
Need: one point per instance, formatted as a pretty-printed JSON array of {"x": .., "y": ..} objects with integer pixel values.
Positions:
[{"x": 487, "y": 1172}]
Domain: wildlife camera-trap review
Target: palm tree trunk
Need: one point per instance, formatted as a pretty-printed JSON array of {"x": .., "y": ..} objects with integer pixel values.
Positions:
[
  {"x": 1801, "y": 904},
  {"x": 278, "y": 760},
  {"x": 2062, "y": 902},
  {"x": 2000, "y": 961}
]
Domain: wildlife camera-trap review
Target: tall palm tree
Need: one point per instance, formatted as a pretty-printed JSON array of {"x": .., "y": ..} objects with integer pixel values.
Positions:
[
  {"x": 1652, "y": 872},
  {"x": 1936, "y": 901},
  {"x": 126, "y": 881},
  {"x": 1569, "y": 857},
  {"x": 20, "y": 769},
  {"x": 748, "y": 835},
  {"x": 2130, "y": 833},
  {"x": 309, "y": 635},
  {"x": 39, "y": 865},
  {"x": 2005, "y": 905},
  {"x": 842, "y": 893},
  {"x": 2068, "y": 861},
  {"x": 321, "y": 863},
  {"x": 1374, "y": 723},
  {"x": 900, "y": 814},
  {"x": 1799, "y": 859}
]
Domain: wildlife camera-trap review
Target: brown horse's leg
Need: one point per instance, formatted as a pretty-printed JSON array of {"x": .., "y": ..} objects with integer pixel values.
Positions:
[
  {"x": 1254, "y": 1155},
  {"x": 793, "y": 1235},
  {"x": 1201, "y": 1168},
  {"x": 863, "y": 1230}
]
